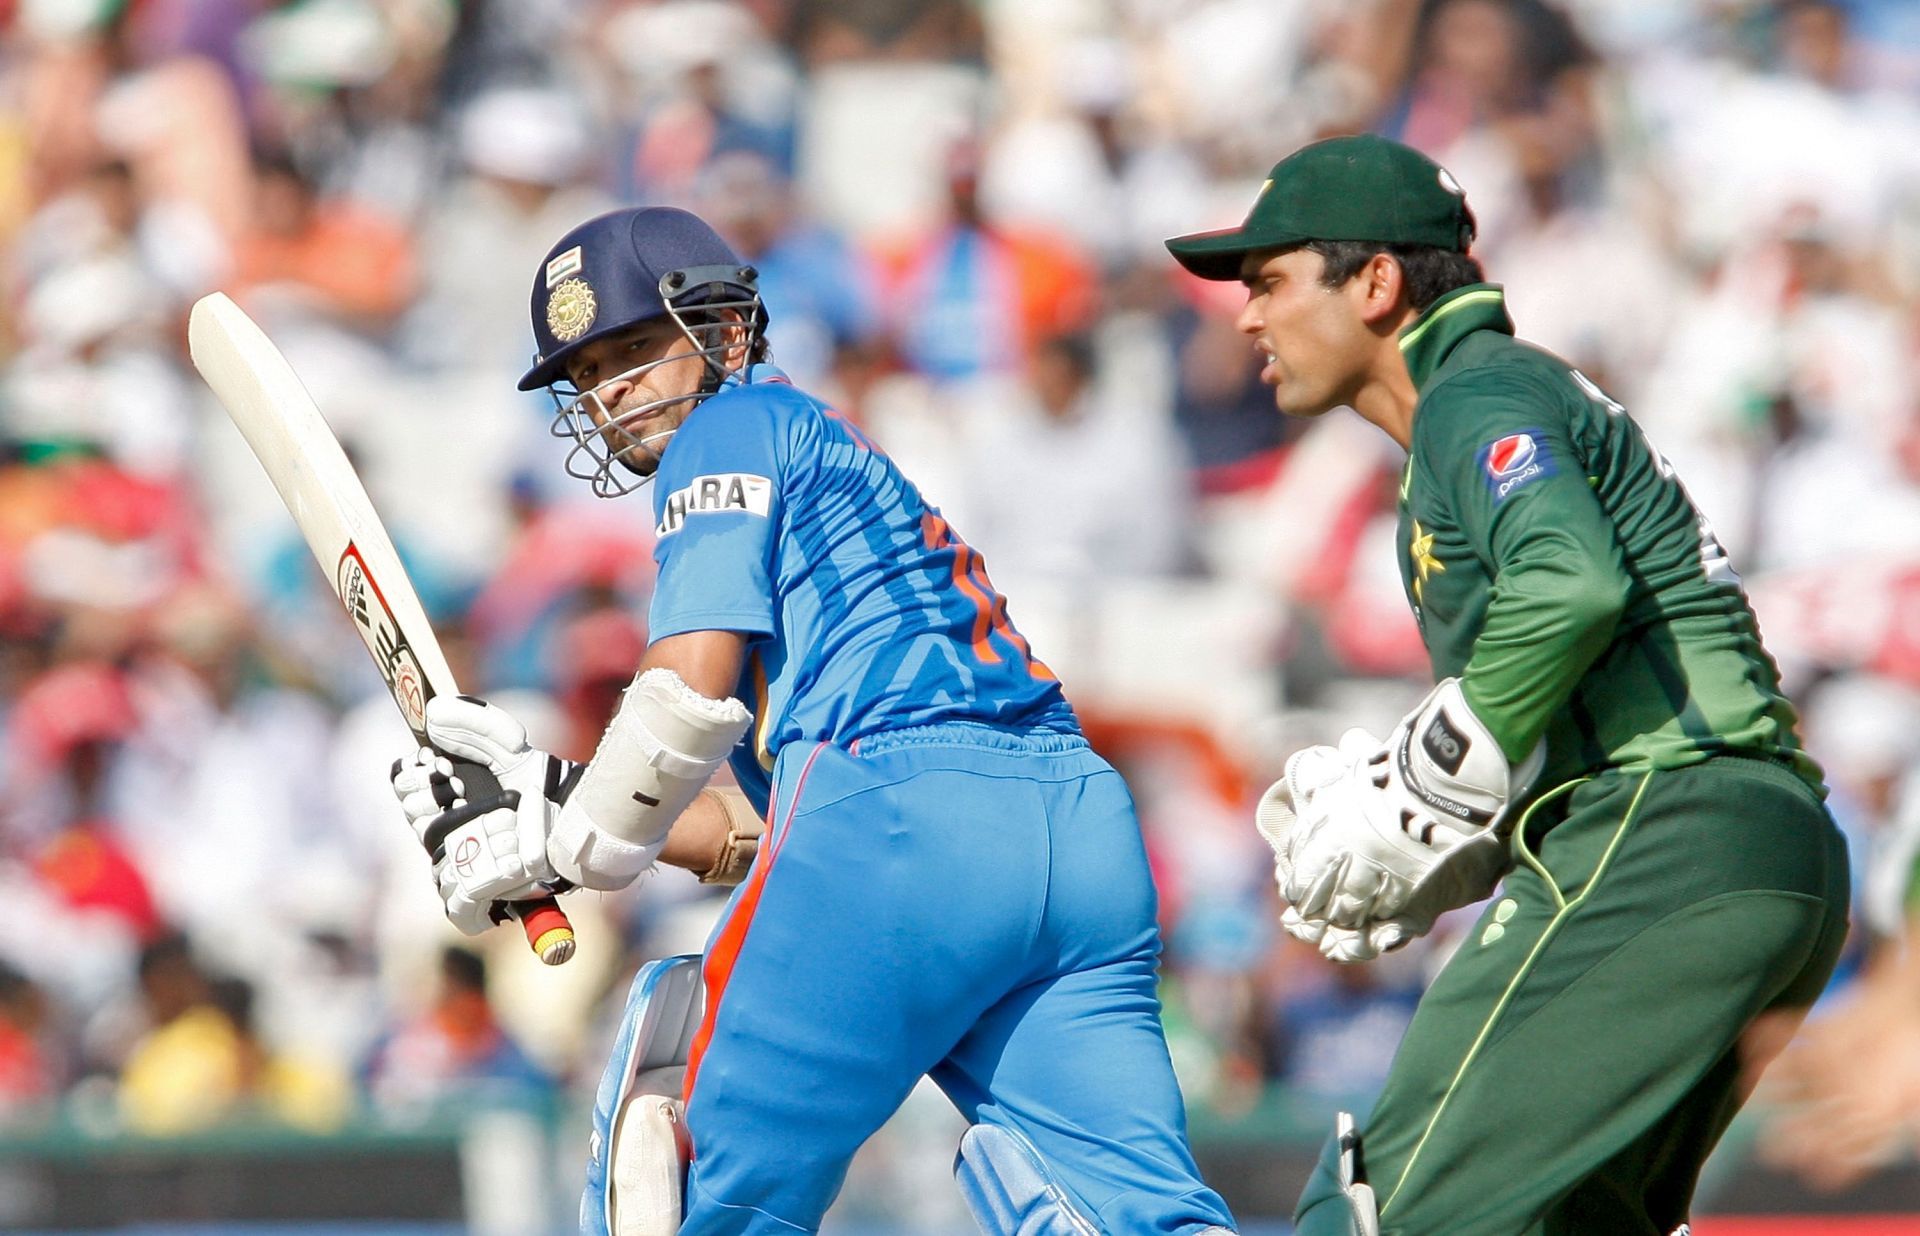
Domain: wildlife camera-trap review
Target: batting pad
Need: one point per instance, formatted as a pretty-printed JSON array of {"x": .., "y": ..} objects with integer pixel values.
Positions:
[
  {"x": 637, "y": 1156},
  {"x": 1010, "y": 1190}
]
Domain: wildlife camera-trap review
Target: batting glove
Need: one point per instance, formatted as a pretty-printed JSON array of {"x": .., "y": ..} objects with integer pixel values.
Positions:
[
  {"x": 489, "y": 842},
  {"x": 425, "y": 785}
]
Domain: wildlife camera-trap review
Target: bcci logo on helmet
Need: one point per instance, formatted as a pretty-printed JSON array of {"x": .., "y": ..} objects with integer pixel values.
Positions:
[
  {"x": 571, "y": 310},
  {"x": 1514, "y": 461}
]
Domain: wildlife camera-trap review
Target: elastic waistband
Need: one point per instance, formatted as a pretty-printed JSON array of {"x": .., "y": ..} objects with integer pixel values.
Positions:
[
  {"x": 1775, "y": 768},
  {"x": 1759, "y": 765},
  {"x": 978, "y": 734}
]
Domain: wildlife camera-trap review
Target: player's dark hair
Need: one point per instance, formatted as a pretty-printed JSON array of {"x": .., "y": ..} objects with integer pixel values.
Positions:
[
  {"x": 1076, "y": 348},
  {"x": 235, "y": 998},
  {"x": 1429, "y": 272},
  {"x": 15, "y": 986},
  {"x": 463, "y": 970},
  {"x": 168, "y": 949}
]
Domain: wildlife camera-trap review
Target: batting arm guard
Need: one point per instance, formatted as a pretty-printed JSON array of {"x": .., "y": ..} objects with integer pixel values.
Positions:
[{"x": 663, "y": 744}]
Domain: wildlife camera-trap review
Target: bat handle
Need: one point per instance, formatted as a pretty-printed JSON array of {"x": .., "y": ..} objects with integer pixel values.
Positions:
[{"x": 548, "y": 929}]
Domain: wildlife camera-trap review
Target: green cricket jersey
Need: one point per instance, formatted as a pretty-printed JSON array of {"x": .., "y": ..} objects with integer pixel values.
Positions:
[{"x": 1557, "y": 566}]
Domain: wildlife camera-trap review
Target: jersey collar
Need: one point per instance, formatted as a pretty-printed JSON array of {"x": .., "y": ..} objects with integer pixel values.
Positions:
[
  {"x": 1430, "y": 339},
  {"x": 755, "y": 373}
]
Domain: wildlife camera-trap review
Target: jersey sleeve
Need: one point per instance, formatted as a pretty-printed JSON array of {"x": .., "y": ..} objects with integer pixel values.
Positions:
[
  {"x": 717, "y": 501},
  {"x": 1501, "y": 450}
]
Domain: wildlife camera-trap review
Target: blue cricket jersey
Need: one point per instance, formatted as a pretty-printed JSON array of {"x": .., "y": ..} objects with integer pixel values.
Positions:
[{"x": 776, "y": 517}]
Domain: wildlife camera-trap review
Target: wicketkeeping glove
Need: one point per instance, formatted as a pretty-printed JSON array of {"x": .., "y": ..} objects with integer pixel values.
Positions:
[
  {"x": 1411, "y": 828},
  {"x": 1297, "y": 807}
]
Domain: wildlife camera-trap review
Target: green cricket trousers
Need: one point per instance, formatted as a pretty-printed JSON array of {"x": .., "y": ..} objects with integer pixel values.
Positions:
[{"x": 1579, "y": 1056}]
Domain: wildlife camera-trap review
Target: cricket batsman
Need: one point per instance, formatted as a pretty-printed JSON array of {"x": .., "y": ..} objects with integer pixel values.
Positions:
[
  {"x": 950, "y": 882},
  {"x": 1607, "y": 732}
]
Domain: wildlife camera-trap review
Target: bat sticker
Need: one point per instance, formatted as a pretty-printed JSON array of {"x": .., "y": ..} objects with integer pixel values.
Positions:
[{"x": 360, "y": 593}]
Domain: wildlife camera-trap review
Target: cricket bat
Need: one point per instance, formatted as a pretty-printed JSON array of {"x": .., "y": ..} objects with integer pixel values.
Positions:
[{"x": 324, "y": 495}]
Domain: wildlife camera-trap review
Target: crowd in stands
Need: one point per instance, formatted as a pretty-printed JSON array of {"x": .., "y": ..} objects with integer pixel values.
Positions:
[{"x": 956, "y": 208}]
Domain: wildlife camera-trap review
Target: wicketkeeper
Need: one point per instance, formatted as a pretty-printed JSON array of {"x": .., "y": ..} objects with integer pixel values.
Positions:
[{"x": 1607, "y": 733}]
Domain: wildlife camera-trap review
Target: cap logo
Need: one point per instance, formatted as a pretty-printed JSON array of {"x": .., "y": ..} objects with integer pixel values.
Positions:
[
  {"x": 564, "y": 264},
  {"x": 1260, "y": 196},
  {"x": 571, "y": 310},
  {"x": 1451, "y": 185}
]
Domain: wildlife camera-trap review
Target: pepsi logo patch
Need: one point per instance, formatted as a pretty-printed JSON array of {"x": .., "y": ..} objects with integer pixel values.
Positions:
[
  {"x": 1515, "y": 461},
  {"x": 1510, "y": 454}
]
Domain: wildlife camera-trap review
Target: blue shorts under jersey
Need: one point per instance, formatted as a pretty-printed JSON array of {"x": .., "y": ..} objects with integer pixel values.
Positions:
[{"x": 778, "y": 518}]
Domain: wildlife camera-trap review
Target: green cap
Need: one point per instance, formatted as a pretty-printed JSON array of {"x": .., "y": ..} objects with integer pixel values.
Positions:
[{"x": 1344, "y": 188}]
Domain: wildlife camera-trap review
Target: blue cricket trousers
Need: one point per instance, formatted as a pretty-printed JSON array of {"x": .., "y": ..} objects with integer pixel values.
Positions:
[{"x": 960, "y": 901}]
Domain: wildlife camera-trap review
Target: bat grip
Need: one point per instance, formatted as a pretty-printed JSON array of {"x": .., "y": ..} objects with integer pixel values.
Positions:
[{"x": 548, "y": 929}]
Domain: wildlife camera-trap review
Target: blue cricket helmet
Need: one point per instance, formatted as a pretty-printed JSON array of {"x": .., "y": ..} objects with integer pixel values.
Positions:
[{"x": 624, "y": 267}]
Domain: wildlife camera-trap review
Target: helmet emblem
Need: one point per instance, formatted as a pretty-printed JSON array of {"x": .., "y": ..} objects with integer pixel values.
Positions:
[{"x": 571, "y": 310}]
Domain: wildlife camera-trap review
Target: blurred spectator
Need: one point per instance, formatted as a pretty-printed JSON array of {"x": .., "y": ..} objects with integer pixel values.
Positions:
[
  {"x": 62, "y": 739},
  {"x": 817, "y": 288},
  {"x": 336, "y": 256},
  {"x": 1225, "y": 416},
  {"x": 1742, "y": 145},
  {"x": 595, "y": 658},
  {"x": 223, "y": 782},
  {"x": 1496, "y": 91},
  {"x": 555, "y": 554},
  {"x": 455, "y": 1050},
  {"x": 179, "y": 122},
  {"x": 95, "y": 371},
  {"x": 102, "y": 545},
  {"x": 201, "y": 1062},
  {"x": 284, "y": 1089},
  {"x": 186, "y": 1071},
  {"x": 98, "y": 217},
  {"x": 528, "y": 160},
  {"x": 1090, "y": 167},
  {"x": 29, "y": 1079},
  {"x": 1333, "y": 1035},
  {"x": 1783, "y": 382},
  {"x": 1841, "y": 1101},
  {"x": 351, "y": 90},
  {"x": 1865, "y": 730},
  {"x": 1843, "y": 1096},
  {"x": 827, "y": 30},
  {"x": 707, "y": 88},
  {"x": 969, "y": 299},
  {"x": 1070, "y": 484}
]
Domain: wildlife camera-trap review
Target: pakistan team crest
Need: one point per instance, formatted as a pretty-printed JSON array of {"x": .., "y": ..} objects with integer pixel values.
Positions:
[{"x": 571, "y": 310}]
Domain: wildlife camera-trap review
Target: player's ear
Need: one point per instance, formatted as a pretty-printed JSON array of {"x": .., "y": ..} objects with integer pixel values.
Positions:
[
  {"x": 738, "y": 339},
  {"x": 1383, "y": 287}
]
